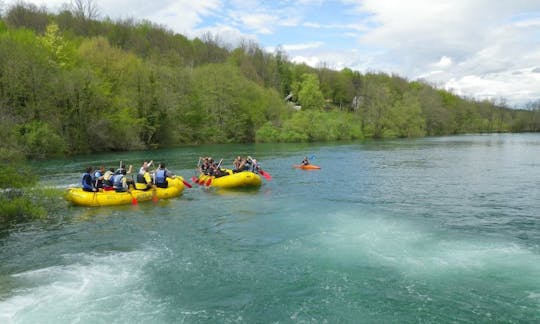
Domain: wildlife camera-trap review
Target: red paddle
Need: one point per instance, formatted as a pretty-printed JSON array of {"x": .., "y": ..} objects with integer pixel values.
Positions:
[
  {"x": 265, "y": 174},
  {"x": 187, "y": 184}
]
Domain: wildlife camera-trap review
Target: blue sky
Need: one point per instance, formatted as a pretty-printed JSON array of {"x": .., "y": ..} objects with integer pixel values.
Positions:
[{"x": 477, "y": 48}]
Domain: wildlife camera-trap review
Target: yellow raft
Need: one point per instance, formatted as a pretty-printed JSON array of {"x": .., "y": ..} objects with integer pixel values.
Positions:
[
  {"x": 111, "y": 198},
  {"x": 244, "y": 179}
]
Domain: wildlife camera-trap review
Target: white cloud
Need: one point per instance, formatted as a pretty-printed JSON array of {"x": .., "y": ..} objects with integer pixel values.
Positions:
[
  {"x": 478, "y": 45},
  {"x": 444, "y": 62},
  {"x": 304, "y": 46},
  {"x": 516, "y": 88},
  {"x": 227, "y": 36},
  {"x": 311, "y": 61}
]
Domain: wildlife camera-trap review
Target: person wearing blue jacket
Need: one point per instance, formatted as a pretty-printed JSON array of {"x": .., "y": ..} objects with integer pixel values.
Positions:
[
  {"x": 87, "y": 183},
  {"x": 161, "y": 175}
]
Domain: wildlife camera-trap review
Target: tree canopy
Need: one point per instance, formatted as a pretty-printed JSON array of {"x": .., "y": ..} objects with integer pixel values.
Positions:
[{"x": 70, "y": 83}]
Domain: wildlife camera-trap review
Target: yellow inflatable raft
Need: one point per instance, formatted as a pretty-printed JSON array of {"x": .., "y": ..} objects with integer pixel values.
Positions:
[
  {"x": 244, "y": 179},
  {"x": 110, "y": 198}
]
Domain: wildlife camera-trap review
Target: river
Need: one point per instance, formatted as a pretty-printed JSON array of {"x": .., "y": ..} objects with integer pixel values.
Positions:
[{"x": 430, "y": 230}]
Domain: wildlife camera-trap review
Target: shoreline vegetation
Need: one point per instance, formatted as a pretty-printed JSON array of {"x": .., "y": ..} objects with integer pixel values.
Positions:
[{"x": 71, "y": 83}]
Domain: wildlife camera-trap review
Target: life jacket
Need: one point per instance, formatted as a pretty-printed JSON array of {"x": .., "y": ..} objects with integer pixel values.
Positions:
[
  {"x": 119, "y": 182},
  {"x": 160, "y": 176},
  {"x": 87, "y": 181},
  {"x": 141, "y": 179},
  {"x": 108, "y": 178},
  {"x": 98, "y": 182}
]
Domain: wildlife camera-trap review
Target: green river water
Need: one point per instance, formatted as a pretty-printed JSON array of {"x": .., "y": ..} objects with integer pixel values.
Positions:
[{"x": 433, "y": 230}]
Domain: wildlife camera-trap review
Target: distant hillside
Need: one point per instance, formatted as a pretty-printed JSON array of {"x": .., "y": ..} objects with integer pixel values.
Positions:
[{"x": 72, "y": 84}]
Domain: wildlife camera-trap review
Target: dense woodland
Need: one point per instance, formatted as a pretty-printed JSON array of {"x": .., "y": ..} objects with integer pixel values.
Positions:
[{"x": 72, "y": 83}]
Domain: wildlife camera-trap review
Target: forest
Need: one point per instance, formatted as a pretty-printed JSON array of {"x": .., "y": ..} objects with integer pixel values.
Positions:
[{"x": 71, "y": 83}]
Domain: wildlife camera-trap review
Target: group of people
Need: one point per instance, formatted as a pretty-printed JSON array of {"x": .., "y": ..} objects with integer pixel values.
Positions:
[
  {"x": 245, "y": 164},
  {"x": 118, "y": 180},
  {"x": 210, "y": 167}
]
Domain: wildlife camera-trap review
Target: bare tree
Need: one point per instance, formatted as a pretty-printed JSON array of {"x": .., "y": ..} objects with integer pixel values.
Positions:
[{"x": 85, "y": 9}]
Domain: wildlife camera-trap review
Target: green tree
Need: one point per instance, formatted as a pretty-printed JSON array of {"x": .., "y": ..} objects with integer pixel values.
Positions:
[
  {"x": 309, "y": 92},
  {"x": 39, "y": 140},
  {"x": 406, "y": 117},
  {"x": 62, "y": 52}
]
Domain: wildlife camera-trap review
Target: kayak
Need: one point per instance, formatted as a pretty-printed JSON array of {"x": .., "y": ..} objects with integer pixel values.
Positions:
[
  {"x": 307, "y": 167},
  {"x": 244, "y": 179},
  {"x": 79, "y": 197}
]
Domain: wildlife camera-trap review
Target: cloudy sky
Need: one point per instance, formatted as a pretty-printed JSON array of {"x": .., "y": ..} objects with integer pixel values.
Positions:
[{"x": 476, "y": 48}]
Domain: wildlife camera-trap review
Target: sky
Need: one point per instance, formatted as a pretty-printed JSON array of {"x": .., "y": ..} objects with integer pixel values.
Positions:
[{"x": 482, "y": 49}]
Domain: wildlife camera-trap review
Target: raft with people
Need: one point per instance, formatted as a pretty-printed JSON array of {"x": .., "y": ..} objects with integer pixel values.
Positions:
[
  {"x": 246, "y": 173},
  {"x": 80, "y": 197},
  {"x": 244, "y": 179}
]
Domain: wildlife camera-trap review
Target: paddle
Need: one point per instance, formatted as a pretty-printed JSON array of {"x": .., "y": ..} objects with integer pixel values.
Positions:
[
  {"x": 261, "y": 171},
  {"x": 187, "y": 184},
  {"x": 265, "y": 174},
  {"x": 194, "y": 179},
  {"x": 133, "y": 199},
  {"x": 154, "y": 194},
  {"x": 184, "y": 182}
]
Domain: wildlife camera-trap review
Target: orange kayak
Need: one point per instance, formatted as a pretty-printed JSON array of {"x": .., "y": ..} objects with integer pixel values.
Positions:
[{"x": 307, "y": 167}]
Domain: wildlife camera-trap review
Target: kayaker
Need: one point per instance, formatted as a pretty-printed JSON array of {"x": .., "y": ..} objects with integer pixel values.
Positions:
[
  {"x": 305, "y": 161},
  {"x": 86, "y": 181}
]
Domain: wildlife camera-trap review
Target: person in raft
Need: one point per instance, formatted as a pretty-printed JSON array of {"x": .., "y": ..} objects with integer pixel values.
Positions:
[
  {"x": 145, "y": 166},
  {"x": 120, "y": 183},
  {"x": 108, "y": 180},
  {"x": 305, "y": 161},
  {"x": 144, "y": 180},
  {"x": 98, "y": 177},
  {"x": 86, "y": 181},
  {"x": 161, "y": 175}
]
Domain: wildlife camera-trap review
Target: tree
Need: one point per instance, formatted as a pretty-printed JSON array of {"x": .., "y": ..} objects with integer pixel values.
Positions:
[
  {"x": 406, "y": 117},
  {"x": 85, "y": 9},
  {"x": 27, "y": 15},
  {"x": 309, "y": 92},
  {"x": 375, "y": 113},
  {"x": 62, "y": 52}
]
